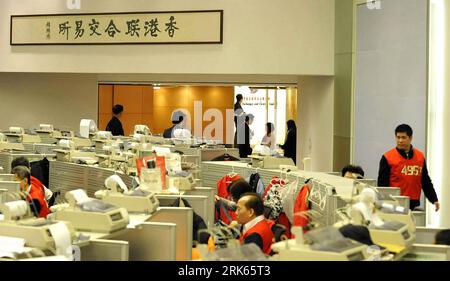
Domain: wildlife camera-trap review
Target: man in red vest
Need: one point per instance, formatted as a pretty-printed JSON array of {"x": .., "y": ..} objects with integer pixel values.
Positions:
[
  {"x": 405, "y": 167},
  {"x": 33, "y": 194},
  {"x": 255, "y": 228},
  {"x": 23, "y": 161}
]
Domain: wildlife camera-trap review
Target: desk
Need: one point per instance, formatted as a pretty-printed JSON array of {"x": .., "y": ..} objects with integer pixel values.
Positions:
[
  {"x": 65, "y": 176},
  {"x": 165, "y": 235}
]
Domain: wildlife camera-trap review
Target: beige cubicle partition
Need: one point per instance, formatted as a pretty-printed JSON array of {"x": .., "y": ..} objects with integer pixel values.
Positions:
[
  {"x": 426, "y": 252},
  {"x": 163, "y": 236},
  {"x": 209, "y": 192},
  {"x": 425, "y": 235},
  {"x": 199, "y": 203},
  {"x": 151, "y": 241},
  {"x": 183, "y": 218},
  {"x": 105, "y": 250}
]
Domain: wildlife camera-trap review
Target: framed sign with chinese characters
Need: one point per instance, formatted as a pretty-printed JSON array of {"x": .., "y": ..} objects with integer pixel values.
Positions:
[{"x": 182, "y": 27}]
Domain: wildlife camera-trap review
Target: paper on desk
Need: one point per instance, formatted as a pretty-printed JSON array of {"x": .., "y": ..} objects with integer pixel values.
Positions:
[
  {"x": 11, "y": 243},
  {"x": 87, "y": 126},
  {"x": 344, "y": 191},
  {"x": 9, "y": 246},
  {"x": 17, "y": 208},
  {"x": 62, "y": 237},
  {"x": 79, "y": 195}
]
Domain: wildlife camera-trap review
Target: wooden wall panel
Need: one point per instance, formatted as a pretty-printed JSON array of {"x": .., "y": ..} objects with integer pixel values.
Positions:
[
  {"x": 224, "y": 123},
  {"x": 154, "y": 108},
  {"x": 171, "y": 96},
  {"x": 147, "y": 99},
  {"x": 291, "y": 104},
  {"x": 130, "y": 96},
  {"x": 105, "y": 99},
  {"x": 103, "y": 120},
  {"x": 129, "y": 120},
  {"x": 147, "y": 119},
  {"x": 212, "y": 97},
  {"x": 163, "y": 117},
  {"x": 105, "y": 104}
]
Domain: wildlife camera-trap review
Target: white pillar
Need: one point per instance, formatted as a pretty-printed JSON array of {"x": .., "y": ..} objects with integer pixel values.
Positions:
[
  {"x": 439, "y": 111},
  {"x": 315, "y": 111}
]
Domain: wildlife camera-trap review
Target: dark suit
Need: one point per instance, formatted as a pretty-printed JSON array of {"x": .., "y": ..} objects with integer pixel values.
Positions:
[
  {"x": 239, "y": 116},
  {"x": 168, "y": 132},
  {"x": 245, "y": 148},
  {"x": 115, "y": 127},
  {"x": 290, "y": 145}
]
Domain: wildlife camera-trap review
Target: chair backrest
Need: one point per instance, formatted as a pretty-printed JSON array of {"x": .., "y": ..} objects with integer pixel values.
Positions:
[{"x": 52, "y": 199}]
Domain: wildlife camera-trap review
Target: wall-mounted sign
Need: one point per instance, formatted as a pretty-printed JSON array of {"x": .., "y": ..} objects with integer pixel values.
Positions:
[{"x": 183, "y": 27}]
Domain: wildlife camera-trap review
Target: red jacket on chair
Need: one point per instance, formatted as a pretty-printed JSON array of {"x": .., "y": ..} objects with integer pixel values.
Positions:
[
  {"x": 222, "y": 191},
  {"x": 301, "y": 205}
]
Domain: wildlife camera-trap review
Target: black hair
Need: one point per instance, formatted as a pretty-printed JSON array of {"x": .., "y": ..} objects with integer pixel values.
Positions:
[
  {"x": 117, "y": 109},
  {"x": 178, "y": 117},
  {"x": 404, "y": 128},
  {"x": 270, "y": 128},
  {"x": 239, "y": 97},
  {"x": 239, "y": 187},
  {"x": 249, "y": 117},
  {"x": 20, "y": 161},
  {"x": 358, "y": 233},
  {"x": 291, "y": 124},
  {"x": 22, "y": 172},
  {"x": 443, "y": 237},
  {"x": 353, "y": 169},
  {"x": 254, "y": 202}
]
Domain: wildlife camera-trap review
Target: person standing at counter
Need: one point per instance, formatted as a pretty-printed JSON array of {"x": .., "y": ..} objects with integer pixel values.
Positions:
[
  {"x": 244, "y": 143},
  {"x": 238, "y": 111},
  {"x": 239, "y": 117},
  {"x": 115, "y": 126},
  {"x": 290, "y": 144}
]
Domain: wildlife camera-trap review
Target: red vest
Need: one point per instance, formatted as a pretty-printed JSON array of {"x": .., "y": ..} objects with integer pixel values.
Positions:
[
  {"x": 264, "y": 230},
  {"x": 406, "y": 173},
  {"x": 36, "y": 193},
  {"x": 37, "y": 183}
]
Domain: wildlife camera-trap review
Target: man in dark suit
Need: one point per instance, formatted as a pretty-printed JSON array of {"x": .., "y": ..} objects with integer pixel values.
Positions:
[
  {"x": 244, "y": 137},
  {"x": 115, "y": 126}
]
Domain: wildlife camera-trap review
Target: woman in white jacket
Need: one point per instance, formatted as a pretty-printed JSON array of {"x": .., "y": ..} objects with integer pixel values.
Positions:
[{"x": 269, "y": 137}]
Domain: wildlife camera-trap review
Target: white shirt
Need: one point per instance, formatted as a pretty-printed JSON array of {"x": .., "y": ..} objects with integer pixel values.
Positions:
[
  {"x": 48, "y": 193},
  {"x": 270, "y": 141},
  {"x": 181, "y": 133},
  {"x": 252, "y": 223}
]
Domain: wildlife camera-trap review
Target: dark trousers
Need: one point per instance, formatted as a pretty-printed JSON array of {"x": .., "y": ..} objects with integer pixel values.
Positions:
[{"x": 413, "y": 204}]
